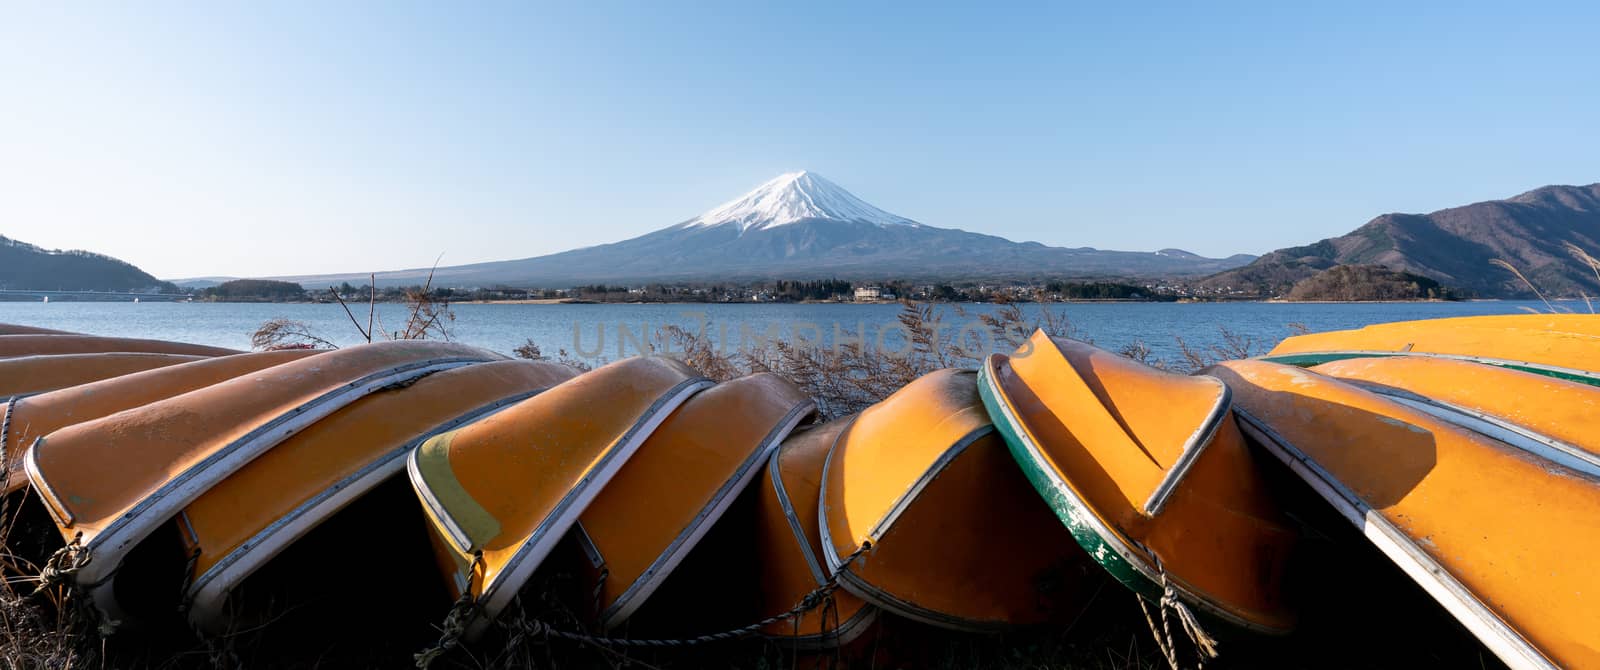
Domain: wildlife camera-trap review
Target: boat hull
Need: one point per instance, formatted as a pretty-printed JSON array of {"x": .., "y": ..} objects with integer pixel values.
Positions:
[
  {"x": 110, "y": 482},
  {"x": 39, "y": 415},
  {"x": 1132, "y": 460},
  {"x": 789, "y": 547},
  {"x": 1494, "y": 532},
  {"x": 680, "y": 482},
  {"x": 500, "y": 493},
  {"x": 943, "y": 529},
  {"x": 248, "y": 518}
]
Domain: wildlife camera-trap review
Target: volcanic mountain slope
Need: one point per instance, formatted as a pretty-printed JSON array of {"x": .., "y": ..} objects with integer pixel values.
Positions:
[
  {"x": 1455, "y": 246},
  {"x": 25, "y": 266},
  {"x": 802, "y": 226}
]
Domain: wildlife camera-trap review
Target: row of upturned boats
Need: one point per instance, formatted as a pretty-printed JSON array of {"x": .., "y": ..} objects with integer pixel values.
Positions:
[{"x": 1462, "y": 449}]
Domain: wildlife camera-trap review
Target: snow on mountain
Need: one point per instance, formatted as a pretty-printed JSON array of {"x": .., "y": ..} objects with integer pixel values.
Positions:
[{"x": 792, "y": 197}]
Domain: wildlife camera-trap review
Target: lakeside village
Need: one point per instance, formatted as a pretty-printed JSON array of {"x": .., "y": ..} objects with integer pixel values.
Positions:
[{"x": 780, "y": 291}]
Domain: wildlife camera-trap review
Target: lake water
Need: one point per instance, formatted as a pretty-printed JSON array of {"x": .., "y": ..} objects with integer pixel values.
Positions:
[{"x": 579, "y": 328}]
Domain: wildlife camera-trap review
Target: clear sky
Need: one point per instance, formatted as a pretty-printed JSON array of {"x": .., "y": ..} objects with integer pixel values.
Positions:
[{"x": 237, "y": 138}]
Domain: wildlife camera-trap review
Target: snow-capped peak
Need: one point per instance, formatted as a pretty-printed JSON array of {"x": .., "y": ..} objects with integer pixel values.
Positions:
[{"x": 792, "y": 197}]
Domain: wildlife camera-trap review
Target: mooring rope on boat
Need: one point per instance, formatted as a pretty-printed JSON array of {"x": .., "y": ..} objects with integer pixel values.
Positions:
[
  {"x": 455, "y": 623},
  {"x": 1205, "y": 645},
  {"x": 63, "y": 564}
]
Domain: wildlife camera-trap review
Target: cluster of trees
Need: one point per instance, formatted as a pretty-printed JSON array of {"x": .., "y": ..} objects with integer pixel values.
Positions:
[
  {"x": 1367, "y": 283},
  {"x": 254, "y": 290},
  {"x": 810, "y": 290}
]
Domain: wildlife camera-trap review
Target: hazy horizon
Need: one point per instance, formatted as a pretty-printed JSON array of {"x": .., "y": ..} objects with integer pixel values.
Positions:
[{"x": 304, "y": 139}]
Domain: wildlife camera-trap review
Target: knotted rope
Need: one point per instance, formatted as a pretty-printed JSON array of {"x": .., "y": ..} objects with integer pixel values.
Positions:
[
  {"x": 63, "y": 564},
  {"x": 1205, "y": 645},
  {"x": 456, "y": 621}
]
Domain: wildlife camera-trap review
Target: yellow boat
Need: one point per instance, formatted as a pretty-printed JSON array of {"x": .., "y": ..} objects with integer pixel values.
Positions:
[
  {"x": 27, "y": 375},
  {"x": 40, "y": 345},
  {"x": 19, "y": 329},
  {"x": 1499, "y": 402},
  {"x": 790, "y": 546},
  {"x": 508, "y": 487},
  {"x": 38, "y": 415},
  {"x": 680, "y": 482},
  {"x": 1565, "y": 346},
  {"x": 110, "y": 482},
  {"x": 1498, "y": 533},
  {"x": 1134, "y": 460},
  {"x": 953, "y": 536},
  {"x": 248, "y": 518}
]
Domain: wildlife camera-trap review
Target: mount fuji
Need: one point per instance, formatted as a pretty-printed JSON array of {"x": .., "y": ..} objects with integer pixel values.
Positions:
[{"x": 802, "y": 226}]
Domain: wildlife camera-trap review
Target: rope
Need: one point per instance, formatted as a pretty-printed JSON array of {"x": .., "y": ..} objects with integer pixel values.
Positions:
[
  {"x": 1204, "y": 644},
  {"x": 63, "y": 564},
  {"x": 5, "y": 460},
  {"x": 822, "y": 595},
  {"x": 455, "y": 623}
]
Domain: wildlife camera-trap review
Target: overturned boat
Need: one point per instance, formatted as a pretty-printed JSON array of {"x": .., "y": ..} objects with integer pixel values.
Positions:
[
  {"x": 1566, "y": 346},
  {"x": 501, "y": 492},
  {"x": 789, "y": 547},
  {"x": 248, "y": 518},
  {"x": 680, "y": 482},
  {"x": 27, "y": 375},
  {"x": 35, "y": 416},
  {"x": 1492, "y": 523},
  {"x": 925, "y": 515},
  {"x": 41, "y": 345},
  {"x": 19, "y": 329},
  {"x": 1135, "y": 461},
  {"x": 109, "y": 483}
]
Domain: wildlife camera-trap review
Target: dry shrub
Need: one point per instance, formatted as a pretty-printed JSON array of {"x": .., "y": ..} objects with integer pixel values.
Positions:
[
  {"x": 850, "y": 375},
  {"x": 278, "y": 334},
  {"x": 530, "y": 350}
]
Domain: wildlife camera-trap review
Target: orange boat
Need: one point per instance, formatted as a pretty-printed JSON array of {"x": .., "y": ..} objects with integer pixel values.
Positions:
[
  {"x": 41, "y": 345},
  {"x": 501, "y": 492},
  {"x": 36, "y": 416},
  {"x": 248, "y": 518},
  {"x": 790, "y": 546},
  {"x": 110, "y": 482},
  {"x": 1132, "y": 460},
  {"x": 679, "y": 483},
  {"x": 1500, "y": 535},
  {"x": 27, "y": 375},
  {"x": 18, "y": 329},
  {"x": 1509, "y": 405},
  {"x": 1565, "y": 346},
  {"x": 947, "y": 530}
]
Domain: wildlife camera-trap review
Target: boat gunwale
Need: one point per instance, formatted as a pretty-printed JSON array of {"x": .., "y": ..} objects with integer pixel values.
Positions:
[
  {"x": 1560, "y": 452},
  {"x": 492, "y": 597},
  {"x": 1307, "y": 359},
  {"x": 841, "y": 635},
  {"x": 190, "y": 483},
  {"x": 1492, "y": 631},
  {"x": 202, "y": 600},
  {"x": 646, "y": 583},
  {"x": 774, "y": 472},
  {"x": 1096, "y": 536}
]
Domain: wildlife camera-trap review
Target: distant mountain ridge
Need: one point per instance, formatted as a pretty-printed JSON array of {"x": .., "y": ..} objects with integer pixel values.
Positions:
[
  {"x": 28, "y": 267},
  {"x": 1455, "y": 246},
  {"x": 801, "y": 226}
]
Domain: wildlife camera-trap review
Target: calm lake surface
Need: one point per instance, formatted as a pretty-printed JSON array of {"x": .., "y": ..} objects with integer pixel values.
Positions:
[{"x": 597, "y": 331}]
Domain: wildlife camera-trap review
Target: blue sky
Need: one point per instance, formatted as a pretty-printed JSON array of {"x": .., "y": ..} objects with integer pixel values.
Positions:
[{"x": 247, "y": 139}]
